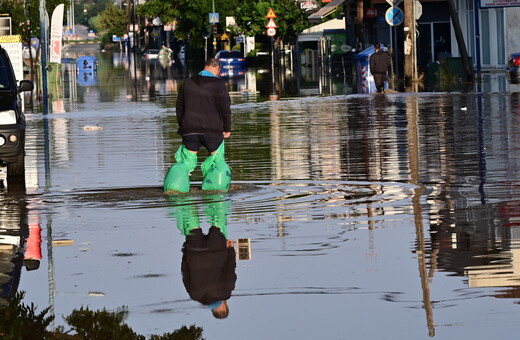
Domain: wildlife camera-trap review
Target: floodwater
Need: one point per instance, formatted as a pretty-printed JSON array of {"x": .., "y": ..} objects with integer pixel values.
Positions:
[{"x": 367, "y": 216}]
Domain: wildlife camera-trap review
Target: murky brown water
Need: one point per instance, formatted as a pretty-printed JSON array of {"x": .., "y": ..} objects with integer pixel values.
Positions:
[{"x": 369, "y": 217}]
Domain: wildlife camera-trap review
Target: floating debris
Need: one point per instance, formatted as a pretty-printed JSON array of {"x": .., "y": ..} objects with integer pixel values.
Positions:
[
  {"x": 92, "y": 127},
  {"x": 57, "y": 243},
  {"x": 96, "y": 294}
]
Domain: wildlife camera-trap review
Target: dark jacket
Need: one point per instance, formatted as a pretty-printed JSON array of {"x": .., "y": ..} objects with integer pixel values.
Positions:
[
  {"x": 380, "y": 62},
  {"x": 203, "y": 106},
  {"x": 208, "y": 268}
]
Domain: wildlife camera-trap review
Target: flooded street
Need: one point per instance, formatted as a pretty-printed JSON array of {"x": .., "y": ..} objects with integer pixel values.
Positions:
[{"x": 359, "y": 216}]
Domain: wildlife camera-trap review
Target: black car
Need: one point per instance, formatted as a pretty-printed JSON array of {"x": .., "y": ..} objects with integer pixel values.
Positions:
[
  {"x": 513, "y": 68},
  {"x": 12, "y": 120}
]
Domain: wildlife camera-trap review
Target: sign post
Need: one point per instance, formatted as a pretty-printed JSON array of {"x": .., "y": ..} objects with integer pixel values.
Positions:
[
  {"x": 43, "y": 51},
  {"x": 214, "y": 19},
  {"x": 271, "y": 31},
  {"x": 5, "y": 26}
]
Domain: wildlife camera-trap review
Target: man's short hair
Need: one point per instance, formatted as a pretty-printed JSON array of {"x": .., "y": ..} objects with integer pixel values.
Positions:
[
  {"x": 377, "y": 45},
  {"x": 220, "y": 314},
  {"x": 212, "y": 62}
]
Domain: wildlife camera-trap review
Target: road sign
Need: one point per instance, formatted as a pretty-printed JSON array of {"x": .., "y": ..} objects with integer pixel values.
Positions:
[
  {"x": 271, "y": 14},
  {"x": 271, "y": 24},
  {"x": 417, "y": 8},
  {"x": 394, "y": 3},
  {"x": 5, "y": 26},
  {"x": 271, "y": 32},
  {"x": 394, "y": 16},
  {"x": 214, "y": 18}
]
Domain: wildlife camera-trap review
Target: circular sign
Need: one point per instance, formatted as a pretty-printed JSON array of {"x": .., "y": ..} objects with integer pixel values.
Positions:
[
  {"x": 271, "y": 32},
  {"x": 346, "y": 48},
  {"x": 394, "y": 16}
]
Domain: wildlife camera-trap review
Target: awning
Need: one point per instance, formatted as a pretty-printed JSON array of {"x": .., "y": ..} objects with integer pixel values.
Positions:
[
  {"x": 314, "y": 33},
  {"x": 325, "y": 10}
]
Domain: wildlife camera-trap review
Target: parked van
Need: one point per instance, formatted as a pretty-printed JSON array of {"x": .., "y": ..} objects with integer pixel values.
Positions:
[{"x": 12, "y": 120}]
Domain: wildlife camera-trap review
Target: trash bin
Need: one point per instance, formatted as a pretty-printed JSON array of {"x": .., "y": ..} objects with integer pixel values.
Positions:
[
  {"x": 87, "y": 70},
  {"x": 365, "y": 80},
  {"x": 87, "y": 63}
]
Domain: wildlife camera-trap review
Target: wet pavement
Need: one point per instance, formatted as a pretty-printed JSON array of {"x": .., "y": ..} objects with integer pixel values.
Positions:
[{"x": 360, "y": 216}]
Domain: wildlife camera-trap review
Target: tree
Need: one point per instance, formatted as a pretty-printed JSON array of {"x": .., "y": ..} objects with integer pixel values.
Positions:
[
  {"x": 250, "y": 17},
  {"x": 190, "y": 17},
  {"x": 84, "y": 10},
  {"x": 113, "y": 20},
  {"x": 25, "y": 18}
]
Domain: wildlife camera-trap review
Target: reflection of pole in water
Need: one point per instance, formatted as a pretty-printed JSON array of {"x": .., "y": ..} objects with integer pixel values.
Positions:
[
  {"x": 481, "y": 152},
  {"x": 272, "y": 67},
  {"x": 413, "y": 163},
  {"x": 50, "y": 269}
]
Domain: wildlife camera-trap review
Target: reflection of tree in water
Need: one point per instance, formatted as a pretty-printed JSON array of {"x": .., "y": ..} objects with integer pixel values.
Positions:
[{"x": 19, "y": 321}]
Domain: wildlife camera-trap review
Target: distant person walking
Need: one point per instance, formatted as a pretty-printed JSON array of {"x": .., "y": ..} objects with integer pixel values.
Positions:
[{"x": 379, "y": 65}]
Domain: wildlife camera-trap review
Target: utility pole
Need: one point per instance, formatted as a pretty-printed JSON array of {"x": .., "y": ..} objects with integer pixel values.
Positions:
[
  {"x": 468, "y": 67},
  {"x": 43, "y": 52},
  {"x": 214, "y": 30},
  {"x": 410, "y": 53}
]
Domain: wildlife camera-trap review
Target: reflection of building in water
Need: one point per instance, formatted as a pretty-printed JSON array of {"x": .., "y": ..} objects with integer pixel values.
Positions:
[
  {"x": 301, "y": 149},
  {"x": 359, "y": 139},
  {"x": 477, "y": 243},
  {"x": 474, "y": 211}
]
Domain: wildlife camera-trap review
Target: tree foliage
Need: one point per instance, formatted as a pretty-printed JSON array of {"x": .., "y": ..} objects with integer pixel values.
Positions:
[
  {"x": 21, "y": 321},
  {"x": 250, "y": 16},
  {"x": 25, "y": 15},
  {"x": 114, "y": 20},
  {"x": 191, "y": 18}
]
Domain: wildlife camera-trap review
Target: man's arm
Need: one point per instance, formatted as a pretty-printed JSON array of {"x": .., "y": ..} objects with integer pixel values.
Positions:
[
  {"x": 179, "y": 107},
  {"x": 224, "y": 108}
]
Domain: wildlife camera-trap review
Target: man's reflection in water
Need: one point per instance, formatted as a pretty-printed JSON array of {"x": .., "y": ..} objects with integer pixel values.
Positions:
[{"x": 209, "y": 260}]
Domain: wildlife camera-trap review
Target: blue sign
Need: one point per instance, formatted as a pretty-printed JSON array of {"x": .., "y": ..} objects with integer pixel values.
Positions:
[
  {"x": 214, "y": 18},
  {"x": 394, "y": 16}
]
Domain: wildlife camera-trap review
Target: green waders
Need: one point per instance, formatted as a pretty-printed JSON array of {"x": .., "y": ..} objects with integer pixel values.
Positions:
[
  {"x": 216, "y": 172},
  {"x": 178, "y": 177},
  {"x": 185, "y": 213},
  {"x": 217, "y": 210}
]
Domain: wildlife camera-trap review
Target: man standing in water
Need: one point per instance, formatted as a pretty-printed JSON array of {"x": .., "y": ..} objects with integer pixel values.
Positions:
[
  {"x": 204, "y": 117},
  {"x": 203, "y": 110},
  {"x": 379, "y": 65}
]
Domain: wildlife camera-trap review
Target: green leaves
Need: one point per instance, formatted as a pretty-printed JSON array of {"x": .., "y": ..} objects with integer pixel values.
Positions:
[
  {"x": 20, "y": 321},
  {"x": 250, "y": 16},
  {"x": 113, "y": 20}
]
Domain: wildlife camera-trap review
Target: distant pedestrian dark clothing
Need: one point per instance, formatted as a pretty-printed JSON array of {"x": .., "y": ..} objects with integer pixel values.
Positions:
[
  {"x": 203, "y": 106},
  {"x": 379, "y": 65},
  {"x": 208, "y": 266}
]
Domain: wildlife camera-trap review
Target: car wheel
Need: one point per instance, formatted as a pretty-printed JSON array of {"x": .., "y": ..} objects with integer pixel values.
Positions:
[{"x": 16, "y": 169}]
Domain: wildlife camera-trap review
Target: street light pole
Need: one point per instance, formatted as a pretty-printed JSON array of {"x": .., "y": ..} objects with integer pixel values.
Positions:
[
  {"x": 43, "y": 52},
  {"x": 214, "y": 33}
]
